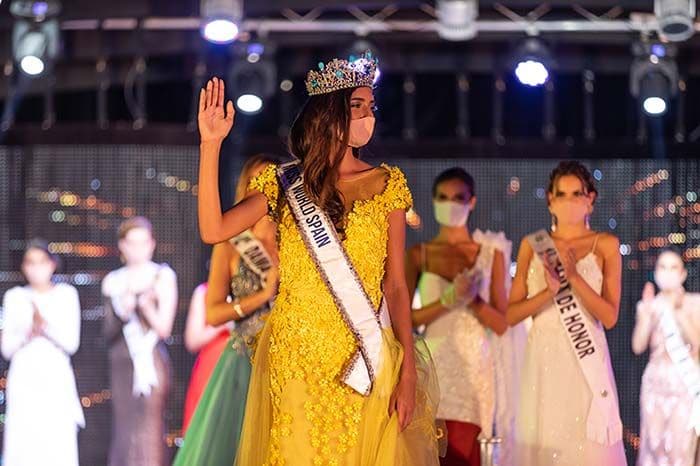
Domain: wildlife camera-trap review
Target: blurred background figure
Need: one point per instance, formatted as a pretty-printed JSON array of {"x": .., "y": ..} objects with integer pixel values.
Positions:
[
  {"x": 140, "y": 303},
  {"x": 667, "y": 436},
  {"x": 207, "y": 342},
  {"x": 41, "y": 331},
  {"x": 243, "y": 279}
]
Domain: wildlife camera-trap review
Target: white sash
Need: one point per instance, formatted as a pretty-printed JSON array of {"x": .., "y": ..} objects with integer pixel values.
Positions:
[
  {"x": 340, "y": 277},
  {"x": 140, "y": 341},
  {"x": 253, "y": 253},
  {"x": 683, "y": 361},
  {"x": 603, "y": 424}
]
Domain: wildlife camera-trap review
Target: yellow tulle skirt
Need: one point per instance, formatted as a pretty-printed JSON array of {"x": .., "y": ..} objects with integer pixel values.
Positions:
[{"x": 380, "y": 441}]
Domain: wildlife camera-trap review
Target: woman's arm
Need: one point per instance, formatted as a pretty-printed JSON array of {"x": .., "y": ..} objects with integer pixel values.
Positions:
[
  {"x": 197, "y": 332},
  {"x": 16, "y": 331},
  {"x": 519, "y": 306},
  {"x": 214, "y": 126},
  {"x": 492, "y": 314},
  {"x": 396, "y": 295},
  {"x": 644, "y": 324},
  {"x": 645, "y": 320},
  {"x": 219, "y": 310},
  {"x": 605, "y": 306},
  {"x": 158, "y": 306},
  {"x": 430, "y": 311},
  {"x": 64, "y": 329}
]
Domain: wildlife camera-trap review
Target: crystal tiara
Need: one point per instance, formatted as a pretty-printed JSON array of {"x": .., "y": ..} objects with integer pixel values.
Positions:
[{"x": 340, "y": 74}]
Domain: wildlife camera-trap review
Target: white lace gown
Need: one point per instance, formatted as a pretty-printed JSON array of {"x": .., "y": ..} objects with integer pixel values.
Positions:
[
  {"x": 554, "y": 395},
  {"x": 43, "y": 411},
  {"x": 462, "y": 353}
]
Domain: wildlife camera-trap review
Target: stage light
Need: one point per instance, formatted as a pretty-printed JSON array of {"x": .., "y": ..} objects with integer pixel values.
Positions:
[
  {"x": 249, "y": 103},
  {"x": 221, "y": 20},
  {"x": 531, "y": 62},
  {"x": 253, "y": 81},
  {"x": 654, "y": 77},
  {"x": 34, "y": 10},
  {"x": 457, "y": 19},
  {"x": 35, "y": 35},
  {"x": 531, "y": 73},
  {"x": 675, "y": 19}
]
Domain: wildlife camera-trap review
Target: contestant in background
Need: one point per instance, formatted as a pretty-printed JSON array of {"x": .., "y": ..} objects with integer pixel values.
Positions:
[
  {"x": 242, "y": 283},
  {"x": 668, "y": 435},
  {"x": 461, "y": 280},
  {"x": 568, "y": 413},
  {"x": 140, "y": 305},
  {"x": 41, "y": 331},
  {"x": 207, "y": 342}
]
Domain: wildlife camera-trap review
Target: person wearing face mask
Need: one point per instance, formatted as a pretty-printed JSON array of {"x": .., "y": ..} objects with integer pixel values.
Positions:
[
  {"x": 461, "y": 281},
  {"x": 140, "y": 302},
  {"x": 336, "y": 377},
  {"x": 41, "y": 331},
  {"x": 569, "y": 281},
  {"x": 668, "y": 323}
]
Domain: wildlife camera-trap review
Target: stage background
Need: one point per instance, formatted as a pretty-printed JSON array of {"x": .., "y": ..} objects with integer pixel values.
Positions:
[{"x": 75, "y": 197}]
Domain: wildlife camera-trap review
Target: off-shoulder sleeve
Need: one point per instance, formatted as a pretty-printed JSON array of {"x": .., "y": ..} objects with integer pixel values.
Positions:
[
  {"x": 266, "y": 183},
  {"x": 396, "y": 195}
]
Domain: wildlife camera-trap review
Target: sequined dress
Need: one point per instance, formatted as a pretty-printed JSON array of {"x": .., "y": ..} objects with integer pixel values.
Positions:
[
  {"x": 667, "y": 439},
  {"x": 298, "y": 411},
  {"x": 213, "y": 435},
  {"x": 462, "y": 351},
  {"x": 554, "y": 396}
]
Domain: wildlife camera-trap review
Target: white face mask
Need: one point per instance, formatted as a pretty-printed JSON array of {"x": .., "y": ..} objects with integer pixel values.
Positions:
[
  {"x": 361, "y": 131},
  {"x": 450, "y": 213},
  {"x": 668, "y": 280}
]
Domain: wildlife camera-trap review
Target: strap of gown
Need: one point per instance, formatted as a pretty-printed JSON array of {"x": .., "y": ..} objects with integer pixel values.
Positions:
[{"x": 595, "y": 242}]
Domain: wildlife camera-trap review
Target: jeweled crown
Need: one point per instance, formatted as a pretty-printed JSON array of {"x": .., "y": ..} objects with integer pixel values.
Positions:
[{"x": 340, "y": 74}]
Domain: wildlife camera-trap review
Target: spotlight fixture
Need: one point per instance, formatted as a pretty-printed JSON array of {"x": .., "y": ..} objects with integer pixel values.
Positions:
[
  {"x": 253, "y": 78},
  {"x": 675, "y": 19},
  {"x": 35, "y": 34},
  {"x": 457, "y": 19},
  {"x": 221, "y": 20},
  {"x": 531, "y": 63},
  {"x": 654, "y": 77}
]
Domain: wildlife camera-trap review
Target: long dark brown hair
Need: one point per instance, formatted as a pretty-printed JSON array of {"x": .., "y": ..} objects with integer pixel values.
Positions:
[{"x": 318, "y": 137}]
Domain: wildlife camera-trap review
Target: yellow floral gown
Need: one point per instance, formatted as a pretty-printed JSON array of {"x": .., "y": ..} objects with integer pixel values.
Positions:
[{"x": 298, "y": 412}]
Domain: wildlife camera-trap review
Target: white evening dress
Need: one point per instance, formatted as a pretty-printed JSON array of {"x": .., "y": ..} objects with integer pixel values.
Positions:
[
  {"x": 43, "y": 411},
  {"x": 554, "y": 395}
]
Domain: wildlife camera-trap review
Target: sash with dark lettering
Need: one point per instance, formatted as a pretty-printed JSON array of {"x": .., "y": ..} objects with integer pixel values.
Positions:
[
  {"x": 340, "y": 277},
  {"x": 683, "y": 360},
  {"x": 253, "y": 253},
  {"x": 603, "y": 424}
]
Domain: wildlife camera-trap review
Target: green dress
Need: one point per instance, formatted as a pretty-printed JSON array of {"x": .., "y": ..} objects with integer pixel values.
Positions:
[{"x": 212, "y": 437}]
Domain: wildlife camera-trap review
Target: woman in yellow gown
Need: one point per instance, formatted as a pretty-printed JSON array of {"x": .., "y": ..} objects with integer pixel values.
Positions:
[{"x": 299, "y": 410}]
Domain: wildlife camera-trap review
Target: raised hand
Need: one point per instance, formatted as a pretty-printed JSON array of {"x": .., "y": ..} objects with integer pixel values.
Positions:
[
  {"x": 467, "y": 287},
  {"x": 214, "y": 122},
  {"x": 648, "y": 293},
  {"x": 38, "y": 322},
  {"x": 552, "y": 280}
]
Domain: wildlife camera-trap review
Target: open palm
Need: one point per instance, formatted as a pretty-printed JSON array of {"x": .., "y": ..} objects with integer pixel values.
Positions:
[{"x": 214, "y": 122}]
